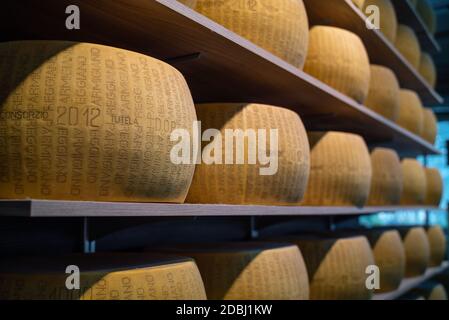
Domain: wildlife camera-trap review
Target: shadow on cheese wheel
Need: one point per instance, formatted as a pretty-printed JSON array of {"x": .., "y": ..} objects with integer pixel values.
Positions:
[
  {"x": 417, "y": 251},
  {"x": 443, "y": 278},
  {"x": 414, "y": 184},
  {"x": 88, "y": 122},
  {"x": 388, "y": 20},
  {"x": 278, "y": 26},
  {"x": 249, "y": 271},
  {"x": 427, "y": 69},
  {"x": 102, "y": 277},
  {"x": 189, "y": 3},
  {"x": 386, "y": 182},
  {"x": 437, "y": 242},
  {"x": 411, "y": 112},
  {"x": 247, "y": 183},
  {"x": 431, "y": 291},
  {"x": 383, "y": 96},
  {"x": 340, "y": 170},
  {"x": 427, "y": 13},
  {"x": 338, "y": 58},
  {"x": 434, "y": 187},
  {"x": 430, "y": 128},
  {"x": 336, "y": 267},
  {"x": 408, "y": 44}
]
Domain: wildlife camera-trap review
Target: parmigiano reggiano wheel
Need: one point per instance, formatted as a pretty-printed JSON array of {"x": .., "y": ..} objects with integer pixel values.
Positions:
[
  {"x": 340, "y": 173},
  {"x": 414, "y": 183},
  {"x": 408, "y": 44},
  {"x": 338, "y": 58},
  {"x": 438, "y": 293},
  {"x": 417, "y": 251},
  {"x": 279, "y": 26},
  {"x": 411, "y": 113},
  {"x": 244, "y": 183},
  {"x": 336, "y": 267},
  {"x": 250, "y": 271},
  {"x": 386, "y": 182},
  {"x": 427, "y": 69},
  {"x": 434, "y": 187},
  {"x": 427, "y": 13},
  {"x": 430, "y": 127},
  {"x": 102, "y": 277},
  {"x": 383, "y": 96},
  {"x": 82, "y": 121},
  {"x": 431, "y": 291},
  {"x": 437, "y": 242}
]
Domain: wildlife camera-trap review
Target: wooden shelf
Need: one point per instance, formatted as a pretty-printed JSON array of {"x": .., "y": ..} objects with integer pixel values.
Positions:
[
  {"x": 345, "y": 14},
  {"x": 409, "y": 16},
  {"x": 218, "y": 64},
  {"x": 410, "y": 283},
  {"x": 48, "y": 208}
]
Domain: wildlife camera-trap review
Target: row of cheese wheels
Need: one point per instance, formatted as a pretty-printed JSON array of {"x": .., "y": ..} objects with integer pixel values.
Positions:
[{"x": 307, "y": 267}]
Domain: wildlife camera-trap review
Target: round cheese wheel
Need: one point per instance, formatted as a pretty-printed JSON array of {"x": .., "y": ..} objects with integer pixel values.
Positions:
[
  {"x": 338, "y": 58},
  {"x": 427, "y": 69},
  {"x": 438, "y": 293},
  {"x": 386, "y": 181},
  {"x": 408, "y": 44},
  {"x": 383, "y": 96},
  {"x": 431, "y": 291},
  {"x": 250, "y": 271},
  {"x": 280, "y": 181},
  {"x": 434, "y": 187},
  {"x": 101, "y": 277},
  {"x": 427, "y": 13},
  {"x": 437, "y": 242},
  {"x": 411, "y": 113},
  {"x": 279, "y": 26},
  {"x": 340, "y": 172},
  {"x": 82, "y": 121},
  {"x": 414, "y": 183},
  {"x": 430, "y": 127},
  {"x": 417, "y": 251}
]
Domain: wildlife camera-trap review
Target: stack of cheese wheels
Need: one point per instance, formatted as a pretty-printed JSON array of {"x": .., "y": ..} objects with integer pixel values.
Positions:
[
  {"x": 414, "y": 183},
  {"x": 427, "y": 13},
  {"x": 340, "y": 172},
  {"x": 417, "y": 251},
  {"x": 279, "y": 26},
  {"x": 83, "y": 121},
  {"x": 250, "y": 271},
  {"x": 278, "y": 178},
  {"x": 437, "y": 242},
  {"x": 189, "y": 3},
  {"x": 388, "y": 21},
  {"x": 411, "y": 114},
  {"x": 408, "y": 44},
  {"x": 383, "y": 96},
  {"x": 434, "y": 187},
  {"x": 386, "y": 182},
  {"x": 338, "y": 58},
  {"x": 102, "y": 277},
  {"x": 431, "y": 291},
  {"x": 336, "y": 267},
  {"x": 428, "y": 70},
  {"x": 430, "y": 127}
]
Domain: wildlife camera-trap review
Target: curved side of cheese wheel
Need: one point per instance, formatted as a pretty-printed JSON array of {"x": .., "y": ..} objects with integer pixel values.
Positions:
[
  {"x": 431, "y": 291},
  {"x": 386, "y": 182},
  {"x": 417, "y": 251},
  {"x": 434, "y": 187},
  {"x": 438, "y": 293},
  {"x": 430, "y": 128},
  {"x": 414, "y": 182},
  {"x": 338, "y": 58},
  {"x": 279, "y": 26},
  {"x": 427, "y": 13},
  {"x": 90, "y": 122},
  {"x": 437, "y": 242},
  {"x": 427, "y": 69},
  {"x": 408, "y": 44},
  {"x": 340, "y": 172},
  {"x": 244, "y": 183},
  {"x": 411, "y": 115}
]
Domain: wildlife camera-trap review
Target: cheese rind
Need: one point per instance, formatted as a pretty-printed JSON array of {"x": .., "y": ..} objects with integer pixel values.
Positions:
[
  {"x": 437, "y": 242},
  {"x": 414, "y": 184},
  {"x": 430, "y": 127},
  {"x": 428, "y": 69},
  {"x": 417, "y": 251},
  {"x": 434, "y": 187},
  {"x": 408, "y": 44},
  {"x": 411, "y": 112},
  {"x": 189, "y": 3}
]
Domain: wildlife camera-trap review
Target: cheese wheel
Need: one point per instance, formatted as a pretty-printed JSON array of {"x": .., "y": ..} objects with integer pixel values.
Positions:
[
  {"x": 431, "y": 291},
  {"x": 430, "y": 127},
  {"x": 408, "y": 45},
  {"x": 278, "y": 26},
  {"x": 427, "y": 13},
  {"x": 417, "y": 251},
  {"x": 437, "y": 242},
  {"x": 411, "y": 111},
  {"x": 383, "y": 96},
  {"x": 189, "y": 3},
  {"x": 414, "y": 183},
  {"x": 102, "y": 277},
  {"x": 340, "y": 172},
  {"x": 434, "y": 187},
  {"x": 427, "y": 69},
  {"x": 438, "y": 293},
  {"x": 386, "y": 181},
  {"x": 336, "y": 267},
  {"x": 338, "y": 58},
  {"x": 83, "y": 121},
  {"x": 388, "y": 20},
  {"x": 250, "y": 271},
  {"x": 282, "y": 181}
]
